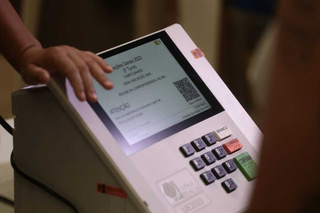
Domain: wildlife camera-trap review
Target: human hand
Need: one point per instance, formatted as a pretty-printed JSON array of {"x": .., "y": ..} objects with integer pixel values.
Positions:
[{"x": 36, "y": 64}]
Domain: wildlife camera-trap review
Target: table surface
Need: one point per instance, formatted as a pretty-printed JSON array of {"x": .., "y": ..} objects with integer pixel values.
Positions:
[{"x": 6, "y": 172}]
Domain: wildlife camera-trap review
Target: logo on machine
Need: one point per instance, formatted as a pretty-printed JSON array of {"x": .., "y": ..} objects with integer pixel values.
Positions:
[
  {"x": 120, "y": 108},
  {"x": 178, "y": 187},
  {"x": 172, "y": 191}
]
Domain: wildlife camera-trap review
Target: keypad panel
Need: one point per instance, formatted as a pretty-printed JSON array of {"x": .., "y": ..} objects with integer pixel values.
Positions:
[{"x": 213, "y": 149}]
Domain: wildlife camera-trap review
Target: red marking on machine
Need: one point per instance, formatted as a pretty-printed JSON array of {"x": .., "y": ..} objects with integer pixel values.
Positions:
[
  {"x": 197, "y": 53},
  {"x": 111, "y": 190}
]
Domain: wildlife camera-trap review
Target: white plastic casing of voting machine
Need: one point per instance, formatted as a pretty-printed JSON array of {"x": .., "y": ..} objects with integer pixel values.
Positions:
[{"x": 169, "y": 137}]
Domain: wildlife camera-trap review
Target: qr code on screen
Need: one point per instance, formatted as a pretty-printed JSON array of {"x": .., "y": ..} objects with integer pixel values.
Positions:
[{"x": 186, "y": 89}]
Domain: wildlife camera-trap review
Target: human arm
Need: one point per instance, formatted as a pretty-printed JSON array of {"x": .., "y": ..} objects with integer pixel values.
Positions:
[
  {"x": 289, "y": 161},
  {"x": 35, "y": 64}
]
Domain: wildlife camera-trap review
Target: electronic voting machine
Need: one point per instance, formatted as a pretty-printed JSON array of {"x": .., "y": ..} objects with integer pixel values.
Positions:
[{"x": 169, "y": 137}]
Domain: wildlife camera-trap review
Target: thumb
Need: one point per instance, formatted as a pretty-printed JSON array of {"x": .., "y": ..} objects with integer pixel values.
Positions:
[{"x": 35, "y": 75}]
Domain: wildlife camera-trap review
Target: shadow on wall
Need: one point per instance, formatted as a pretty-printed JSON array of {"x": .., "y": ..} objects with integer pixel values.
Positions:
[
  {"x": 9, "y": 81},
  {"x": 244, "y": 24},
  {"x": 87, "y": 25}
]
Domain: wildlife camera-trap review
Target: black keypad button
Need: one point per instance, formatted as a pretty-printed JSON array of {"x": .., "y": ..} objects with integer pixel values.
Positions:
[
  {"x": 229, "y": 185},
  {"x": 208, "y": 158},
  {"x": 208, "y": 177},
  {"x": 187, "y": 150},
  {"x": 209, "y": 139},
  {"x": 219, "y": 152},
  {"x": 230, "y": 166},
  {"x": 219, "y": 171},
  {"x": 198, "y": 144},
  {"x": 197, "y": 163}
]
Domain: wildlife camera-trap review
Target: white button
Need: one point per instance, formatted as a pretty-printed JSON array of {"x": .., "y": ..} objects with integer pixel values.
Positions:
[{"x": 222, "y": 133}]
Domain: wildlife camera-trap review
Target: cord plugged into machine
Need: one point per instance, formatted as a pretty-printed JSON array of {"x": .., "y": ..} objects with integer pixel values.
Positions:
[
  {"x": 6, "y": 200},
  {"x": 9, "y": 129}
]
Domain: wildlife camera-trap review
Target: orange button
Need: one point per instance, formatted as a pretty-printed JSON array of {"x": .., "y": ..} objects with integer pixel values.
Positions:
[{"x": 232, "y": 146}]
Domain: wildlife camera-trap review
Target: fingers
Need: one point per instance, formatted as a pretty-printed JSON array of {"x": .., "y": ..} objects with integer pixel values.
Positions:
[
  {"x": 62, "y": 62},
  {"x": 97, "y": 68},
  {"x": 35, "y": 75},
  {"x": 85, "y": 75},
  {"x": 78, "y": 66},
  {"x": 88, "y": 65},
  {"x": 106, "y": 68}
]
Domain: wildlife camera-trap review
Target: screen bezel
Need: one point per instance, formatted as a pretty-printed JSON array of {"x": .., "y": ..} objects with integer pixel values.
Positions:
[{"x": 191, "y": 73}]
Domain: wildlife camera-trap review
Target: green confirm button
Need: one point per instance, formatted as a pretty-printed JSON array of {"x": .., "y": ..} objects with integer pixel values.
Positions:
[{"x": 247, "y": 165}]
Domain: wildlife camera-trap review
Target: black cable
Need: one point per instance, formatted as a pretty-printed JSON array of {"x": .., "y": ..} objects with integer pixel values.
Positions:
[
  {"x": 30, "y": 179},
  {"x": 5, "y": 125},
  {"x": 6, "y": 200},
  {"x": 42, "y": 186}
]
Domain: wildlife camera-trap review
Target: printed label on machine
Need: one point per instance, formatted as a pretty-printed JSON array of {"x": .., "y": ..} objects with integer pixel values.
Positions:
[{"x": 193, "y": 204}]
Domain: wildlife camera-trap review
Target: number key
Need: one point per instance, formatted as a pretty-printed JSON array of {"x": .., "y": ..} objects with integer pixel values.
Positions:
[
  {"x": 198, "y": 144},
  {"x": 197, "y": 163},
  {"x": 208, "y": 177},
  {"x": 209, "y": 139},
  {"x": 219, "y": 152},
  {"x": 230, "y": 166},
  {"x": 208, "y": 158},
  {"x": 187, "y": 150},
  {"x": 229, "y": 185},
  {"x": 219, "y": 171}
]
